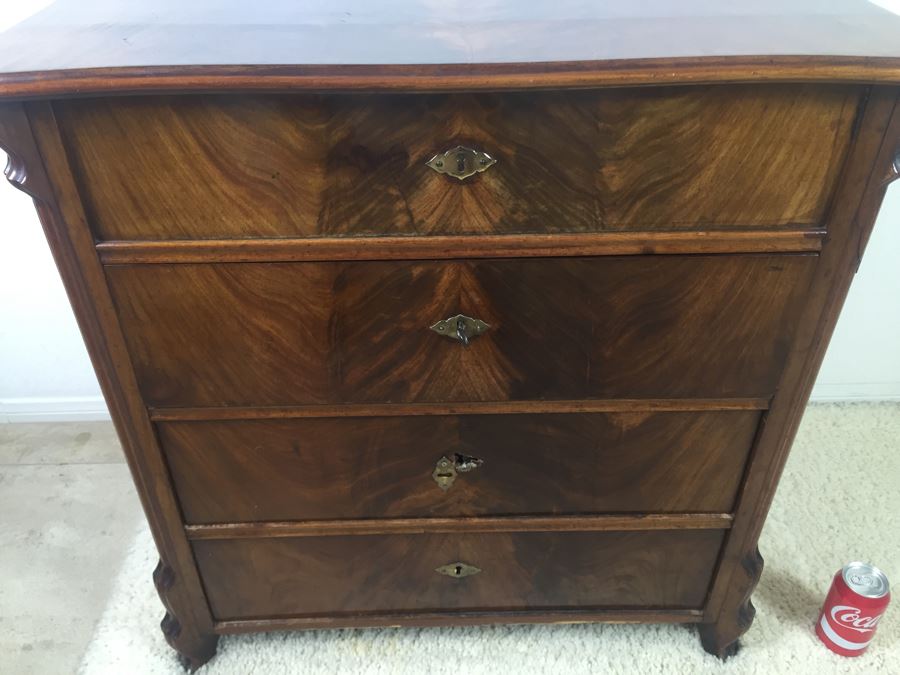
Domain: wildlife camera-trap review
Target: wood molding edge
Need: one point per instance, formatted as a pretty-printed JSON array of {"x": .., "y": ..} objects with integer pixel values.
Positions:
[
  {"x": 331, "y": 528},
  {"x": 461, "y": 618},
  {"x": 441, "y": 247},
  {"x": 564, "y": 406},
  {"x": 450, "y": 77}
]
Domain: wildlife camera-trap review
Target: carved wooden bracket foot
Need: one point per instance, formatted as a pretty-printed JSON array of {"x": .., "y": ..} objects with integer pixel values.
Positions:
[
  {"x": 721, "y": 638},
  {"x": 716, "y": 643},
  {"x": 194, "y": 648}
]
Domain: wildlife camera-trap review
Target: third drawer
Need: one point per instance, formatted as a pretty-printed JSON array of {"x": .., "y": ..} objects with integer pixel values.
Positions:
[{"x": 468, "y": 465}]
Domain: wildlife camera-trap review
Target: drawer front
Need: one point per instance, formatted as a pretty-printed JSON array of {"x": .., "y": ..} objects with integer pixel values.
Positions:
[
  {"x": 305, "y": 166},
  {"x": 309, "y": 333},
  {"x": 381, "y": 467},
  {"x": 316, "y": 575}
]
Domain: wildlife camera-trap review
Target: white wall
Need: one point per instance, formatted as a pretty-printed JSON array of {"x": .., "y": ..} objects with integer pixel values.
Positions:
[
  {"x": 45, "y": 372},
  {"x": 44, "y": 368},
  {"x": 863, "y": 359}
]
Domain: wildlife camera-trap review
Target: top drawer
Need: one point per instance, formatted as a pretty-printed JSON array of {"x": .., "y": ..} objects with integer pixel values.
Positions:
[{"x": 200, "y": 167}]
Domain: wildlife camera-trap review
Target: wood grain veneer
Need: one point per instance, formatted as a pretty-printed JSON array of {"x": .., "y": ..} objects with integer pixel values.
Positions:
[
  {"x": 359, "y": 332},
  {"x": 254, "y": 255},
  {"x": 532, "y": 464},
  {"x": 304, "y": 166},
  {"x": 290, "y": 577}
]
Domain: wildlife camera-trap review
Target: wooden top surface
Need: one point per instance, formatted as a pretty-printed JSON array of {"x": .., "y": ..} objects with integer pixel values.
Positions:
[{"x": 85, "y": 46}]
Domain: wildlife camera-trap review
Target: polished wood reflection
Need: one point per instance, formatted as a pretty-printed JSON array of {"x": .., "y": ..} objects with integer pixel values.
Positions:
[
  {"x": 319, "y": 333},
  {"x": 302, "y": 577},
  {"x": 532, "y": 464},
  {"x": 305, "y": 166}
]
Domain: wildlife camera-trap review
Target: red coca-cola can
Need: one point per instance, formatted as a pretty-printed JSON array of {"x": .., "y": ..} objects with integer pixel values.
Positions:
[{"x": 853, "y": 607}]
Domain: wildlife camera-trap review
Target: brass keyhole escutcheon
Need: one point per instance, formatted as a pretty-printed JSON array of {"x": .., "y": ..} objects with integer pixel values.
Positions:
[
  {"x": 444, "y": 473},
  {"x": 461, "y": 162},
  {"x": 461, "y": 327},
  {"x": 457, "y": 570},
  {"x": 447, "y": 468}
]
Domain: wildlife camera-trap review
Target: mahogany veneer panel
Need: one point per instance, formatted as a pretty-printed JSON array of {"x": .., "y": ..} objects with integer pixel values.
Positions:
[
  {"x": 305, "y": 333},
  {"x": 298, "y": 166},
  {"x": 380, "y": 467},
  {"x": 302, "y": 577}
]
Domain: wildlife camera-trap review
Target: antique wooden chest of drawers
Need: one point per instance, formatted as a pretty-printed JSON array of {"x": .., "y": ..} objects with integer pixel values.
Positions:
[{"x": 522, "y": 333}]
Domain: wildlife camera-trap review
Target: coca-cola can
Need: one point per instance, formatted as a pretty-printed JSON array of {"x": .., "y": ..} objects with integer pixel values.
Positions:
[{"x": 853, "y": 607}]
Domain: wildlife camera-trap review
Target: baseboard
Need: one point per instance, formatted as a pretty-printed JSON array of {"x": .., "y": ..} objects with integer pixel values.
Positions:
[
  {"x": 55, "y": 409},
  {"x": 864, "y": 391}
]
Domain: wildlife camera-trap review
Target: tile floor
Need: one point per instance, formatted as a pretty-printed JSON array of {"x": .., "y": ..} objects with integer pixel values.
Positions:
[{"x": 68, "y": 511}]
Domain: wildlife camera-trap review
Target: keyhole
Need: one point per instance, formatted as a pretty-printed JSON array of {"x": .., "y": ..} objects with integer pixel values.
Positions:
[
  {"x": 460, "y": 162},
  {"x": 458, "y": 570},
  {"x": 461, "y": 332}
]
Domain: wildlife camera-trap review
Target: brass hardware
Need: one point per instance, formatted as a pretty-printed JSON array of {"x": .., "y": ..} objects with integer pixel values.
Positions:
[
  {"x": 457, "y": 570},
  {"x": 460, "y": 327},
  {"x": 461, "y": 162},
  {"x": 444, "y": 473},
  {"x": 447, "y": 468}
]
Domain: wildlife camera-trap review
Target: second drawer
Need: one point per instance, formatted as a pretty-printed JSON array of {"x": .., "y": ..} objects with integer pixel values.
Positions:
[
  {"x": 284, "y": 334},
  {"x": 383, "y": 467}
]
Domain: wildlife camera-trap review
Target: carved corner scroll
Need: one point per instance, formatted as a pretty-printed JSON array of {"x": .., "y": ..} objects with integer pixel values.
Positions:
[
  {"x": 24, "y": 166},
  {"x": 894, "y": 170},
  {"x": 752, "y": 566},
  {"x": 195, "y": 649},
  {"x": 721, "y": 638}
]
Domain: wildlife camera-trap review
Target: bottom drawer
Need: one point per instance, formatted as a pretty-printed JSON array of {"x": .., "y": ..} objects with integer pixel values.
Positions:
[{"x": 307, "y": 576}]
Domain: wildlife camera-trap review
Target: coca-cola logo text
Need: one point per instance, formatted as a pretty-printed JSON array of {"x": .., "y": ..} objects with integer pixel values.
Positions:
[{"x": 849, "y": 618}]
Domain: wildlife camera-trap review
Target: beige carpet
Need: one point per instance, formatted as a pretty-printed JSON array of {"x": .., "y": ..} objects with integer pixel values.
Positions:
[{"x": 839, "y": 500}]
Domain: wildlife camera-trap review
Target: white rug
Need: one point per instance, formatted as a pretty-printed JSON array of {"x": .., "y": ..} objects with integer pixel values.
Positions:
[{"x": 839, "y": 500}]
